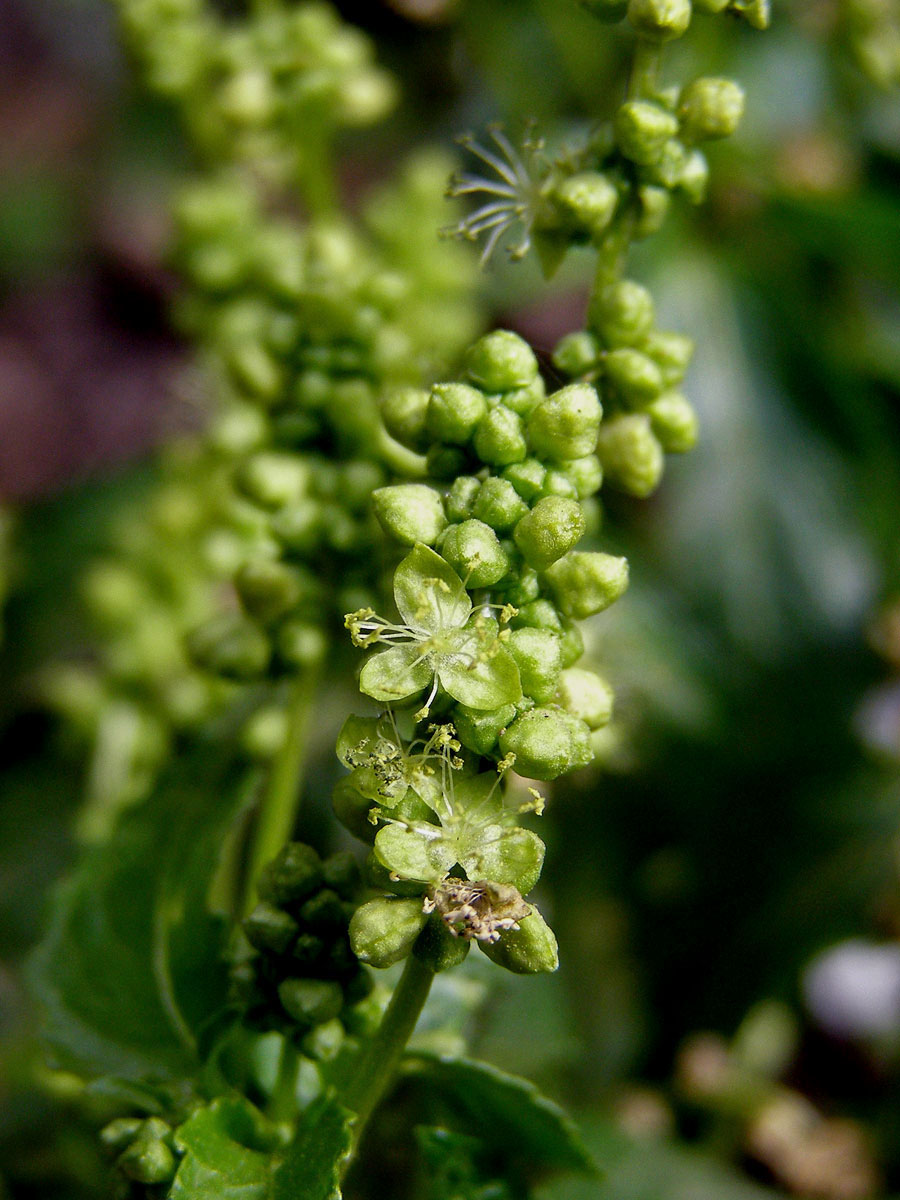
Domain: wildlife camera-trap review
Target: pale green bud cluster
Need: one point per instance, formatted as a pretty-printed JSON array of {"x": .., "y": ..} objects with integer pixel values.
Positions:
[
  {"x": 294, "y": 969},
  {"x": 144, "y": 1149},
  {"x": 663, "y": 20}
]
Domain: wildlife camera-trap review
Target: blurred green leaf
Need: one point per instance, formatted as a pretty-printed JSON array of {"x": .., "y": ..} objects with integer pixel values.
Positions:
[
  {"x": 312, "y": 1166},
  {"x": 223, "y": 1158}
]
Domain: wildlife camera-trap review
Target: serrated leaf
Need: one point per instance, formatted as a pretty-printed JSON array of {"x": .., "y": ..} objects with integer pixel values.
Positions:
[
  {"x": 527, "y": 1127},
  {"x": 396, "y": 673},
  {"x": 429, "y": 595},
  {"x": 131, "y": 967},
  {"x": 478, "y": 680},
  {"x": 312, "y": 1167},
  {"x": 225, "y": 1154}
]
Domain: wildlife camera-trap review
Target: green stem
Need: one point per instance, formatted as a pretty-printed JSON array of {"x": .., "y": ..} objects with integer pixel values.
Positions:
[
  {"x": 643, "y": 82},
  {"x": 283, "y": 1103},
  {"x": 382, "y": 1055},
  {"x": 278, "y": 807}
]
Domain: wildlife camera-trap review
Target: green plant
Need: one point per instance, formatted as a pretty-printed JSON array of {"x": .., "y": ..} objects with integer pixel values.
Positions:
[{"x": 227, "y": 1013}]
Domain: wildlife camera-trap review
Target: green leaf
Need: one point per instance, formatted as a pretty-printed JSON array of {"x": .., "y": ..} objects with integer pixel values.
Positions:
[
  {"x": 312, "y": 1167},
  {"x": 505, "y": 856},
  {"x": 131, "y": 968},
  {"x": 532, "y": 1132},
  {"x": 477, "y": 679},
  {"x": 226, "y": 1154},
  {"x": 396, "y": 673},
  {"x": 423, "y": 853},
  {"x": 429, "y": 594}
]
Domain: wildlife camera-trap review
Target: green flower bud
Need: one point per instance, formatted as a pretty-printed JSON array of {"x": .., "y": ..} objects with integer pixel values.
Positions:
[
  {"x": 538, "y": 658},
  {"x": 404, "y": 412},
  {"x": 311, "y": 1001},
  {"x": 268, "y": 589},
  {"x": 671, "y": 352},
  {"x": 609, "y": 11},
  {"x": 445, "y": 462},
  {"x": 552, "y": 527},
  {"x": 565, "y": 425},
  {"x": 410, "y": 512},
  {"x": 586, "y": 696},
  {"x": 710, "y": 108},
  {"x": 674, "y": 422},
  {"x": 357, "y": 480},
  {"x": 474, "y": 551},
  {"x": 547, "y": 742},
  {"x": 352, "y": 807},
  {"x": 454, "y": 410},
  {"x": 264, "y": 733},
  {"x": 119, "y": 1133},
  {"x": 642, "y": 130},
  {"x": 341, "y": 873},
  {"x": 230, "y": 645},
  {"x": 498, "y": 504},
  {"x": 632, "y": 457},
  {"x": 255, "y": 370},
  {"x": 301, "y": 644},
  {"x": 571, "y": 643},
  {"x": 522, "y": 400},
  {"x": 622, "y": 313},
  {"x": 558, "y": 483},
  {"x": 660, "y": 19},
  {"x": 298, "y": 526},
  {"x": 528, "y": 950},
  {"x": 384, "y": 930},
  {"x": 460, "y": 502},
  {"x": 576, "y": 354},
  {"x": 585, "y": 475},
  {"x": 238, "y": 431},
  {"x": 523, "y": 587},
  {"x": 669, "y": 168},
  {"x": 270, "y": 928},
  {"x": 585, "y": 582},
  {"x": 499, "y": 438},
  {"x": 294, "y": 874},
  {"x": 540, "y": 614},
  {"x": 367, "y": 96},
  {"x": 588, "y": 199},
  {"x": 148, "y": 1161},
  {"x": 634, "y": 375},
  {"x": 478, "y": 730},
  {"x": 437, "y": 947},
  {"x": 693, "y": 179},
  {"x": 323, "y": 1043},
  {"x": 501, "y": 361},
  {"x": 653, "y": 207},
  {"x": 273, "y": 480},
  {"x": 527, "y": 477},
  {"x": 323, "y": 912}
]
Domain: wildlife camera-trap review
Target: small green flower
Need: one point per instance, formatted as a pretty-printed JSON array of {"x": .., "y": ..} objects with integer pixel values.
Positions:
[{"x": 441, "y": 643}]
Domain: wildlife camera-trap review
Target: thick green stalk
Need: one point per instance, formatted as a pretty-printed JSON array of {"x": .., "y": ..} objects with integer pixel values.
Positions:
[
  {"x": 278, "y": 807},
  {"x": 383, "y": 1053}
]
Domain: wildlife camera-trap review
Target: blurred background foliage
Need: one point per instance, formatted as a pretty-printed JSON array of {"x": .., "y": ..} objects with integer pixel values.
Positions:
[{"x": 726, "y": 889}]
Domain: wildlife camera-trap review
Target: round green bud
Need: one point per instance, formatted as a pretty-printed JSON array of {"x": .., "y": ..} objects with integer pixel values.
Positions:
[
  {"x": 586, "y": 696},
  {"x": 622, "y": 313},
  {"x": 669, "y": 169},
  {"x": 148, "y": 1161},
  {"x": 352, "y": 807},
  {"x": 273, "y": 480},
  {"x": 523, "y": 587},
  {"x": 498, "y": 504},
  {"x": 660, "y": 19},
  {"x": 445, "y": 462},
  {"x": 585, "y": 582},
  {"x": 294, "y": 874},
  {"x": 528, "y": 950},
  {"x": 694, "y": 177},
  {"x": 366, "y": 96},
  {"x": 576, "y": 354},
  {"x": 546, "y": 743},
  {"x": 323, "y": 912},
  {"x": 522, "y": 400},
  {"x": 410, "y": 512},
  {"x": 270, "y": 928},
  {"x": 311, "y": 1001},
  {"x": 653, "y": 207},
  {"x": 474, "y": 551},
  {"x": 264, "y": 733},
  {"x": 631, "y": 455},
  {"x": 324, "y": 1042},
  {"x": 552, "y": 527},
  {"x": 609, "y": 11},
  {"x": 255, "y": 370},
  {"x": 527, "y": 477},
  {"x": 437, "y": 947},
  {"x": 634, "y": 375},
  {"x": 238, "y": 431},
  {"x": 588, "y": 200},
  {"x": 642, "y": 130},
  {"x": 499, "y": 438},
  {"x": 460, "y": 502},
  {"x": 230, "y": 645},
  {"x": 478, "y": 729},
  {"x": 671, "y": 352},
  {"x": 120, "y": 1133},
  {"x": 571, "y": 643},
  {"x": 540, "y": 614},
  {"x": 710, "y": 108},
  {"x": 383, "y": 931},
  {"x": 585, "y": 475},
  {"x": 404, "y": 412},
  {"x": 566, "y": 423},
  {"x": 454, "y": 411},
  {"x": 537, "y": 655},
  {"x": 357, "y": 480},
  {"x": 558, "y": 483},
  {"x": 301, "y": 644},
  {"x": 341, "y": 873},
  {"x": 501, "y": 361},
  {"x": 268, "y": 588},
  {"x": 674, "y": 422}
]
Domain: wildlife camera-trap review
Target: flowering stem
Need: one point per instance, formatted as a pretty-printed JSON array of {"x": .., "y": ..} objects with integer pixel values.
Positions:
[
  {"x": 643, "y": 83},
  {"x": 278, "y": 807},
  {"x": 382, "y": 1055}
]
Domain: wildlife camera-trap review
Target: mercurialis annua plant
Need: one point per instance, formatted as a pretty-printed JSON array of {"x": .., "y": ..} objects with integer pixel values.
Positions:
[{"x": 386, "y": 501}]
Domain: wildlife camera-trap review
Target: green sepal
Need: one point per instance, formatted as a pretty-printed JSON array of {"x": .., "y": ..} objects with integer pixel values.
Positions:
[
  {"x": 429, "y": 594},
  {"x": 476, "y": 678},
  {"x": 396, "y": 673},
  {"x": 529, "y": 950},
  {"x": 421, "y": 853},
  {"x": 505, "y": 855},
  {"x": 437, "y": 947}
]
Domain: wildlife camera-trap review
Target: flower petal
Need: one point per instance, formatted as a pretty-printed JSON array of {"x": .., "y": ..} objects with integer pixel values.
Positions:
[
  {"x": 429, "y": 594},
  {"x": 396, "y": 673}
]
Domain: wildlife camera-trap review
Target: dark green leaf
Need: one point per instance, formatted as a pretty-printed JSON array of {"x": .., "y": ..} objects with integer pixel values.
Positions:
[
  {"x": 226, "y": 1156},
  {"x": 312, "y": 1167},
  {"x": 131, "y": 967}
]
